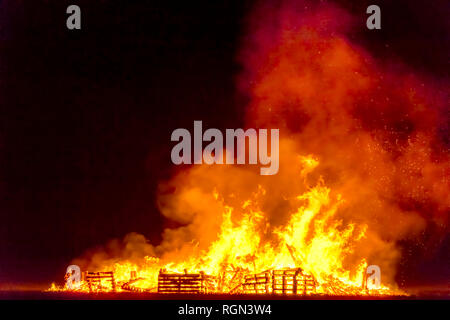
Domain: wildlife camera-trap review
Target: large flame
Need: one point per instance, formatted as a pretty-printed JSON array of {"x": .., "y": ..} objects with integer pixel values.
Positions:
[{"x": 360, "y": 163}]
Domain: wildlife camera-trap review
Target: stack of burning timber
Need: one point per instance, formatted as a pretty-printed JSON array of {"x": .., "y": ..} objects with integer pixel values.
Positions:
[
  {"x": 284, "y": 281},
  {"x": 289, "y": 281}
]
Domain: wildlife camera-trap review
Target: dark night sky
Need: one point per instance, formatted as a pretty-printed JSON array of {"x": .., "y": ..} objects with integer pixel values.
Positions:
[{"x": 86, "y": 116}]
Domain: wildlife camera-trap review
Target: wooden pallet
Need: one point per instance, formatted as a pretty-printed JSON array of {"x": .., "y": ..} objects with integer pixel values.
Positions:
[
  {"x": 282, "y": 281},
  {"x": 95, "y": 280},
  {"x": 257, "y": 283},
  {"x": 292, "y": 281},
  {"x": 182, "y": 282}
]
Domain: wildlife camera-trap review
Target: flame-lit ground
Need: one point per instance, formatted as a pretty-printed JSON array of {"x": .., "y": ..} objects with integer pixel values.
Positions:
[{"x": 436, "y": 293}]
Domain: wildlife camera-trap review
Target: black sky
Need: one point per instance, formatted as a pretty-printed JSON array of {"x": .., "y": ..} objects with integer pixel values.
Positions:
[{"x": 86, "y": 116}]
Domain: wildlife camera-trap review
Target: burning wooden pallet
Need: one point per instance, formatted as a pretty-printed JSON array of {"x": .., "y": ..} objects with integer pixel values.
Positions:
[
  {"x": 183, "y": 282},
  {"x": 292, "y": 281},
  {"x": 95, "y": 280},
  {"x": 283, "y": 281},
  {"x": 258, "y": 283}
]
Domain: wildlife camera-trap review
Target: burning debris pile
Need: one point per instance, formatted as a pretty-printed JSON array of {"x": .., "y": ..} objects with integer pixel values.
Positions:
[
  {"x": 287, "y": 281},
  {"x": 303, "y": 257},
  {"x": 360, "y": 166}
]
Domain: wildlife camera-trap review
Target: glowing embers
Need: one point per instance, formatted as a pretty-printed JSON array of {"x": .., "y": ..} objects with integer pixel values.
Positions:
[
  {"x": 188, "y": 283},
  {"x": 281, "y": 281}
]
